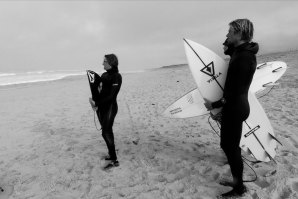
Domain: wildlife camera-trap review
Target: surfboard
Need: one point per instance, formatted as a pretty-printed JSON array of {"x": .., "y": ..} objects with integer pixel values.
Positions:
[
  {"x": 94, "y": 81},
  {"x": 257, "y": 135},
  {"x": 209, "y": 72},
  {"x": 6, "y": 191},
  {"x": 189, "y": 105},
  {"x": 192, "y": 103},
  {"x": 267, "y": 74}
]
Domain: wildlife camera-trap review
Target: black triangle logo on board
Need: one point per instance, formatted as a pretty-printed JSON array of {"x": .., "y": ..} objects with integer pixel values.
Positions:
[
  {"x": 91, "y": 76},
  {"x": 209, "y": 69}
]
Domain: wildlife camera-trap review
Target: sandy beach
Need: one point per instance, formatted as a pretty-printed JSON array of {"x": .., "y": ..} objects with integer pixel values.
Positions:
[{"x": 50, "y": 148}]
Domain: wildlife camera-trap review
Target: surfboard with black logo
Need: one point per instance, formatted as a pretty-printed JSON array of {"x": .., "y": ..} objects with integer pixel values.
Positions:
[
  {"x": 192, "y": 104},
  {"x": 209, "y": 72},
  {"x": 94, "y": 82}
]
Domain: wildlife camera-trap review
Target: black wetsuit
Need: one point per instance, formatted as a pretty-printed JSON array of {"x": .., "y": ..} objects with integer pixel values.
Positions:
[
  {"x": 235, "y": 105},
  {"x": 108, "y": 108}
]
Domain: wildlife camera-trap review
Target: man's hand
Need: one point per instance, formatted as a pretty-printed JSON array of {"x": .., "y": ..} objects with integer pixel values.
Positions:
[{"x": 208, "y": 104}]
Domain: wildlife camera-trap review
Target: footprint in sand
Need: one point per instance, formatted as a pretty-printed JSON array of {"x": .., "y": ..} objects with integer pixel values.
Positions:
[
  {"x": 262, "y": 183},
  {"x": 286, "y": 136},
  {"x": 295, "y": 186},
  {"x": 286, "y": 193},
  {"x": 284, "y": 153},
  {"x": 294, "y": 142}
]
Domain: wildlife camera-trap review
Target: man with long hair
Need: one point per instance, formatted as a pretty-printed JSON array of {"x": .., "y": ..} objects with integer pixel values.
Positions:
[{"x": 234, "y": 103}]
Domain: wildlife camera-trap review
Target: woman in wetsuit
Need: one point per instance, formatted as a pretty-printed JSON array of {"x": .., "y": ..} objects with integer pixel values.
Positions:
[
  {"x": 106, "y": 107},
  {"x": 235, "y": 104}
]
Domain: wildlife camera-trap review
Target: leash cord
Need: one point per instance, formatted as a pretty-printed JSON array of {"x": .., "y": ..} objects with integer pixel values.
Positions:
[
  {"x": 95, "y": 122},
  {"x": 243, "y": 158}
]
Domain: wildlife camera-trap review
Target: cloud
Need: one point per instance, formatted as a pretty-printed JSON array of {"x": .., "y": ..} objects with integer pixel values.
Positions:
[{"x": 73, "y": 34}]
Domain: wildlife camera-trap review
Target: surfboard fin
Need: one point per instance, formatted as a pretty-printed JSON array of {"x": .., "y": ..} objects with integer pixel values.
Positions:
[
  {"x": 271, "y": 158},
  {"x": 278, "y": 69},
  {"x": 254, "y": 162},
  {"x": 262, "y": 65},
  {"x": 270, "y": 84},
  {"x": 273, "y": 137},
  {"x": 249, "y": 151}
]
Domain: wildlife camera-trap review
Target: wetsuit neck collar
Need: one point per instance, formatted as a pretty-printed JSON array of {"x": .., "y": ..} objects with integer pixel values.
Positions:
[
  {"x": 112, "y": 71},
  {"x": 248, "y": 46},
  {"x": 241, "y": 46}
]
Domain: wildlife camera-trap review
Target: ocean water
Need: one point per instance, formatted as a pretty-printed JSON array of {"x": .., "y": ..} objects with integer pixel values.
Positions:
[
  {"x": 35, "y": 76},
  {"x": 10, "y": 78}
]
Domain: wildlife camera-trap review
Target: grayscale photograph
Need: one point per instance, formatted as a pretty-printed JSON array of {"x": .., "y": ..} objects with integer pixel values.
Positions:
[{"x": 148, "y": 99}]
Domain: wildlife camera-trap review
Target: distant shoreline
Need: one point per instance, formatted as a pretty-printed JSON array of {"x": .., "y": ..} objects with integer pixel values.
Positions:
[
  {"x": 173, "y": 66},
  {"x": 14, "y": 81},
  {"x": 258, "y": 56}
]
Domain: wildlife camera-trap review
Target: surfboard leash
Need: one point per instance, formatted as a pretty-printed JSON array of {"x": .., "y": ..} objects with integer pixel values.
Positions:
[
  {"x": 256, "y": 176},
  {"x": 95, "y": 123},
  {"x": 243, "y": 158}
]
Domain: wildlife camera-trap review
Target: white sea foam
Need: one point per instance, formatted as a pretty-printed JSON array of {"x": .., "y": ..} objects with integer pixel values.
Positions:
[
  {"x": 133, "y": 71},
  {"x": 6, "y": 74},
  {"x": 35, "y": 76}
]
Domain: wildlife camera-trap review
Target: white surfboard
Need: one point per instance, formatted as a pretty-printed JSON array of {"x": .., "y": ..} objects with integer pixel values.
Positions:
[
  {"x": 210, "y": 82},
  {"x": 266, "y": 75},
  {"x": 209, "y": 72},
  {"x": 257, "y": 135},
  {"x": 189, "y": 105},
  {"x": 192, "y": 103}
]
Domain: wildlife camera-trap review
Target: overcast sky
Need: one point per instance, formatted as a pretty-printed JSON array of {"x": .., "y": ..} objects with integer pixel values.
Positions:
[{"x": 75, "y": 35}]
